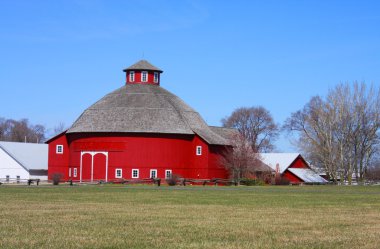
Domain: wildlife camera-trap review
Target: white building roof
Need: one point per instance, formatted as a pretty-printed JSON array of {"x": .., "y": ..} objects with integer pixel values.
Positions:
[
  {"x": 284, "y": 160},
  {"x": 307, "y": 175},
  {"x": 30, "y": 155}
]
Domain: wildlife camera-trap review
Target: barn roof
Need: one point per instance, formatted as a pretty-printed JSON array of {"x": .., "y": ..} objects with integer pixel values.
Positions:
[
  {"x": 284, "y": 160},
  {"x": 31, "y": 156},
  {"x": 307, "y": 175},
  {"x": 144, "y": 108},
  {"x": 143, "y": 65},
  {"x": 227, "y": 133}
]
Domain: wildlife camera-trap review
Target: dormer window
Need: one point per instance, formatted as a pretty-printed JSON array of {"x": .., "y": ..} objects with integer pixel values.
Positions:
[
  {"x": 144, "y": 76},
  {"x": 155, "y": 79},
  {"x": 131, "y": 76}
]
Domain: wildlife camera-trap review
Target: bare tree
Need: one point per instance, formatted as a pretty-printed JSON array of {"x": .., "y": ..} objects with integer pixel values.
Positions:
[
  {"x": 240, "y": 159},
  {"x": 256, "y": 125},
  {"x": 340, "y": 133},
  {"x": 21, "y": 131},
  {"x": 59, "y": 128}
]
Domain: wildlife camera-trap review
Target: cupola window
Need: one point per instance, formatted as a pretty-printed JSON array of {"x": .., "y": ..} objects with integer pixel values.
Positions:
[
  {"x": 131, "y": 76},
  {"x": 144, "y": 76},
  {"x": 155, "y": 79}
]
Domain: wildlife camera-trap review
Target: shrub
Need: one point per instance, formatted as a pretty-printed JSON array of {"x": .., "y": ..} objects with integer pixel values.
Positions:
[
  {"x": 252, "y": 182},
  {"x": 172, "y": 181},
  {"x": 56, "y": 177},
  {"x": 279, "y": 180}
]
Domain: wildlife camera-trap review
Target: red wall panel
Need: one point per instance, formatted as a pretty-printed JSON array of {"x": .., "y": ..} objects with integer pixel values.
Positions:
[
  {"x": 299, "y": 163},
  {"x": 58, "y": 162},
  {"x": 139, "y": 151}
]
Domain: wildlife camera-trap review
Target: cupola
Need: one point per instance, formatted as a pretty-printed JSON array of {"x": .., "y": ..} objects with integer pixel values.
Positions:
[{"x": 142, "y": 72}]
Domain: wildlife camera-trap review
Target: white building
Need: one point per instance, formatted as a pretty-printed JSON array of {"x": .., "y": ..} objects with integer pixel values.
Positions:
[{"x": 21, "y": 161}]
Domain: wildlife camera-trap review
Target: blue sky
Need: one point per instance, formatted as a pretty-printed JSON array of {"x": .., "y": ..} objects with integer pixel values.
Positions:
[{"x": 59, "y": 57}]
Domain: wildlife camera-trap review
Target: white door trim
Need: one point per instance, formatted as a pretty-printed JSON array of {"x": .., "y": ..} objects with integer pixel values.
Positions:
[{"x": 93, "y": 153}]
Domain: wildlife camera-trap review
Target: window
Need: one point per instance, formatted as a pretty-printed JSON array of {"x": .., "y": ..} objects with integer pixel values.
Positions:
[
  {"x": 18, "y": 179},
  {"x": 153, "y": 173},
  {"x": 168, "y": 173},
  {"x": 135, "y": 173},
  {"x": 75, "y": 172},
  {"x": 144, "y": 76},
  {"x": 198, "y": 150},
  {"x": 131, "y": 76},
  {"x": 7, "y": 178},
  {"x": 59, "y": 149},
  {"x": 69, "y": 172},
  {"x": 155, "y": 79},
  {"x": 118, "y": 173}
]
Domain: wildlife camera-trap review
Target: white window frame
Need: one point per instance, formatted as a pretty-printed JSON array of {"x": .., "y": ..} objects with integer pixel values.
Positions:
[
  {"x": 18, "y": 179},
  {"x": 166, "y": 173},
  {"x": 131, "y": 76},
  {"x": 155, "y": 77},
  {"x": 69, "y": 172},
  {"x": 75, "y": 172},
  {"x": 151, "y": 171},
  {"x": 198, "y": 150},
  {"x": 138, "y": 173},
  {"x": 142, "y": 76},
  {"x": 57, "y": 150},
  {"x": 121, "y": 173}
]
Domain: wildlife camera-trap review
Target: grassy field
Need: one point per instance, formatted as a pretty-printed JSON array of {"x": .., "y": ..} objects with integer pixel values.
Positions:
[{"x": 189, "y": 217}]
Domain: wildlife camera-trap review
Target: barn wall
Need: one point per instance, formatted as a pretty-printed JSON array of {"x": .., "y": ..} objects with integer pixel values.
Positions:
[
  {"x": 215, "y": 169},
  {"x": 8, "y": 166},
  {"x": 58, "y": 163},
  {"x": 199, "y": 167},
  {"x": 145, "y": 152},
  {"x": 135, "y": 151}
]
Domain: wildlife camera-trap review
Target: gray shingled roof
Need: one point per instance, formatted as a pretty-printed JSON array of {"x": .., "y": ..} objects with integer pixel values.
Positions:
[
  {"x": 143, "y": 65},
  {"x": 144, "y": 108},
  {"x": 227, "y": 133}
]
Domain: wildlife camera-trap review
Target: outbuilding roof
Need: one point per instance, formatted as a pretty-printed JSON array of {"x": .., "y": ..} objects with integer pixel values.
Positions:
[
  {"x": 31, "y": 156},
  {"x": 144, "y": 108},
  {"x": 284, "y": 160},
  {"x": 307, "y": 175},
  {"x": 143, "y": 65}
]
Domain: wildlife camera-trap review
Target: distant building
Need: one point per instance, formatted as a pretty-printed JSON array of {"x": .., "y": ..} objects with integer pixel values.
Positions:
[
  {"x": 138, "y": 131},
  {"x": 20, "y": 161},
  {"x": 291, "y": 166}
]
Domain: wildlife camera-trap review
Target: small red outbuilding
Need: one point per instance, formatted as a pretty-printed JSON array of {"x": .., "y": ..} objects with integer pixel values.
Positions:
[{"x": 291, "y": 166}]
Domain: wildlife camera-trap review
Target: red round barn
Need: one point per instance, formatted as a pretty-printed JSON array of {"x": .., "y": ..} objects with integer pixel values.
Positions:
[{"x": 138, "y": 131}]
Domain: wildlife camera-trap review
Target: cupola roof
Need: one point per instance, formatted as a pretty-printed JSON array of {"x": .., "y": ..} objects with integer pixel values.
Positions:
[{"x": 143, "y": 65}]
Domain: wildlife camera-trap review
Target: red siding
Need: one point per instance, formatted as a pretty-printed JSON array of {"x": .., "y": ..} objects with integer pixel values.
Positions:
[
  {"x": 138, "y": 79},
  {"x": 299, "y": 163},
  {"x": 215, "y": 169},
  {"x": 136, "y": 151},
  {"x": 58, "y": 162}
]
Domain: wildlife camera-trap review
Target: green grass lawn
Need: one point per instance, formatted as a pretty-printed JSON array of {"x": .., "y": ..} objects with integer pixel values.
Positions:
[{"x": 189, "y": 217}]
